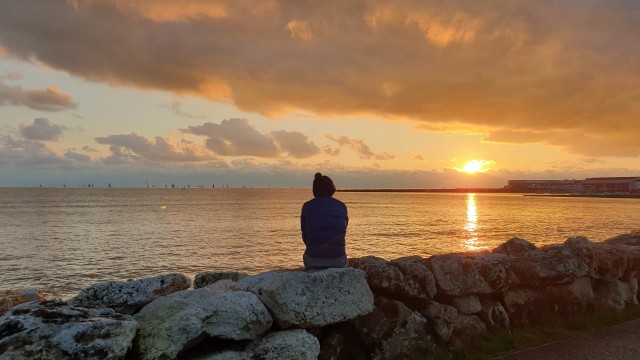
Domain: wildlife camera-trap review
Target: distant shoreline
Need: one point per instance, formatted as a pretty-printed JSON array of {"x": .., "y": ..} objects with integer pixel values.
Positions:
[{"x": 492, "y": 191}]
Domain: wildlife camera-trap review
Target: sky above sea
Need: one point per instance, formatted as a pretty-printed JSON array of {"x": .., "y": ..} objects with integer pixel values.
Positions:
[{"x": 266, "y": 93}]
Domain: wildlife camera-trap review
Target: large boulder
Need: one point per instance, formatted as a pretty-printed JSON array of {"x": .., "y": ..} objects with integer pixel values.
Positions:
[
  {"x": 128, "y": 297},
  {"x": 172, "y": 324},
  {"x": 552, "y": 264},
  {"x": 405, "y": 277},
  {"x": 55, "y": 330},
  {"x": 457, "y": 275},
  {"x": 311, "y": 299},
  {"x": 395, "y": 332},
  {"x": 211, "y": 277}
]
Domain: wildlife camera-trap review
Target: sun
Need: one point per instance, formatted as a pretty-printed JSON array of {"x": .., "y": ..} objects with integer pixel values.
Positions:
[{"x": 476, "y": 166}]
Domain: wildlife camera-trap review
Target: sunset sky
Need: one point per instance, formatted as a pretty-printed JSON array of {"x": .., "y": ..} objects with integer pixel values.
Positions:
[{"x": 401, "y": 93}]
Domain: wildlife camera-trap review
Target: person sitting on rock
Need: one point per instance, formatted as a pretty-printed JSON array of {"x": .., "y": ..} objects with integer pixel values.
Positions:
[{"x": 324, "y": 223}]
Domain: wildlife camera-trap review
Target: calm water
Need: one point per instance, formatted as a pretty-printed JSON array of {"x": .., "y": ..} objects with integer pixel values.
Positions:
[{"x": 72, "y": 237}]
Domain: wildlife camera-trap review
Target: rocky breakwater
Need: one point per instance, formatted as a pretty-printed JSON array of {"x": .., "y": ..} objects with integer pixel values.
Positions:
[{"x": 377, "y": 309}]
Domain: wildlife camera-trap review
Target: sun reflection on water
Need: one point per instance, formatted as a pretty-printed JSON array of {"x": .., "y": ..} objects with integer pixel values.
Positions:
[{"x": 471, "y": 226}]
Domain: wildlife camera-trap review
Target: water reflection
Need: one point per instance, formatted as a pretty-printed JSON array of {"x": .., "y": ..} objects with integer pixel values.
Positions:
[{"x": 471, "y": 225}]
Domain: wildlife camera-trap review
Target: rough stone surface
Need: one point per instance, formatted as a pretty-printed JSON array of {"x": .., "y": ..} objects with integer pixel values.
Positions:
[
  {"x": 208, "y": 278},
  {"x": 222, "y": 285},
  {"x": 578, "y": 241},
  {"x": 631, "y": 239},
  {"x": 310, "y": 299},
  {"x": 552, "y": 264},
  {"x": 456, "y": 275},
  {"x": 128, "y": 297},
  {"x": 418, "y": 278},
  {"x": 523, "y": 305},
  {"x": 494, "y": 315},
  {"x": 514, "y": 246},
  {"x": 469, "y": 304},
  {"x": 55, "y": 330},
  {"x": 616, "y": 295},
  {"x": 494, "y": 269},
  {"x": 174, "y": 323},
  {"x": 450, "y": 326},
  {"x": 395, "y": 332},
  {"x": 404, "y": 277},
  {"x": 285, "y": 345}
]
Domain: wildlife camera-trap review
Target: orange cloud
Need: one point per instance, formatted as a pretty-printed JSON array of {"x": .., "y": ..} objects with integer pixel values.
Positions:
[{"x": 561, "y": 73}]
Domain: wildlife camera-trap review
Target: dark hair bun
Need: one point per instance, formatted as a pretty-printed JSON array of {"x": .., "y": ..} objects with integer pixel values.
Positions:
[{"x": 318, "y": 176}]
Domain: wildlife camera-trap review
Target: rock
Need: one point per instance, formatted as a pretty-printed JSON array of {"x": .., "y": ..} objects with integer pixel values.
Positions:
[
  {"x": 494, "y": 269},
  {"x": 631, "y": 239},
  {"x": 456, "y": 275},
  {"x": 395, "y": 332},
  {"x": 405, "y": 277},
  {"x": 311, "y": 299},
  {"x": 174, "y": 323},
  {"x": 524, "y": 306},
  {"x": 553, "y": 264},
  {"x": 222, "y": 285},
  {"x": 285, "y": 345},
  {"x": 418, "y": 279},
  {"x": 514, "y": 246},
  {"x": 616, "y": 295},
  {"x": 494, "y": 315},
  {"x": 468, "y": 304},
  {"x": 55, "y": 330},
  {"x": 128, "y": 297},
  {"x": 208, "y": 278},
  {"x": 31, "y": 294},
  {"x": 450, "y": 326},
  {"x": 578, "y": 241},
  {"x": 341, "y": 342}
]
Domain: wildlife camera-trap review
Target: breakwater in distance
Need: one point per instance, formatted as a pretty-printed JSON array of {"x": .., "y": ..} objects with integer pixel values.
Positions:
[{"x": 376, "y": 309}]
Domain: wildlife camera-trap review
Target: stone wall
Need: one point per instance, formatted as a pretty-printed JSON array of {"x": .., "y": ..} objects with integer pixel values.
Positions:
[{"x": 377, "y": 309}]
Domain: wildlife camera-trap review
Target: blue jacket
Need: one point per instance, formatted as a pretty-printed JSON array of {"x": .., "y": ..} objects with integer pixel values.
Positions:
[{"x": 324, "y": 223}]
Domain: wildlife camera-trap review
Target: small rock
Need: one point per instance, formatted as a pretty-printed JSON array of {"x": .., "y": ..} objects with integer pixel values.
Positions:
[
  {"x": 450, "y": 326},
  {"x": 31, "y": 294},
  {"x": 222, "y": 285},
  {"x": 616, "y": 295}
]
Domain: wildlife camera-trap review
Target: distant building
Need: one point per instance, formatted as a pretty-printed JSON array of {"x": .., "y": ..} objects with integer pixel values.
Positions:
[
  {"x": 627, "y": 185},
  {"x": 611, "y": 185},
  {"x": 542, "y": 186}
]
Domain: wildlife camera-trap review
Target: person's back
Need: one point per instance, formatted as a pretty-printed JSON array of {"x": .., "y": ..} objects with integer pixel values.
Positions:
[{"x": 324, "y": 223}]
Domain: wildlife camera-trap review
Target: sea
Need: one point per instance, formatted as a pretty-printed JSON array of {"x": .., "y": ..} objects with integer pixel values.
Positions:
[{"x": 68, "y": 238}]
